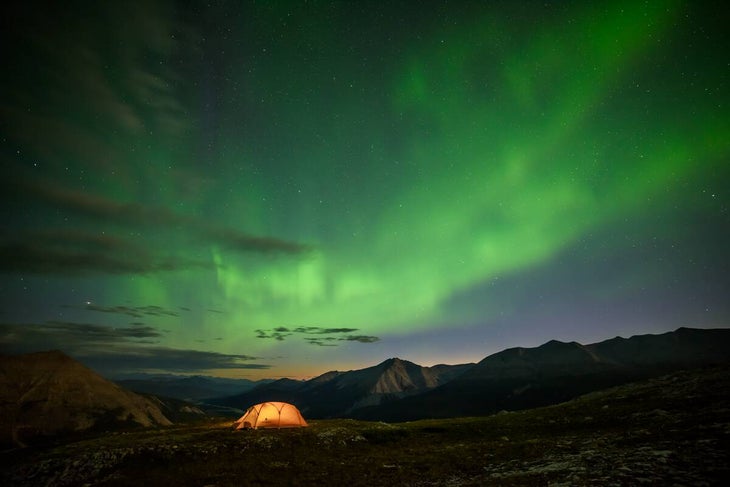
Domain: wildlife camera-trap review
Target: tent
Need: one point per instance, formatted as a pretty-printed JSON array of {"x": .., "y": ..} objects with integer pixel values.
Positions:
[{"x": 271, "y": 415}]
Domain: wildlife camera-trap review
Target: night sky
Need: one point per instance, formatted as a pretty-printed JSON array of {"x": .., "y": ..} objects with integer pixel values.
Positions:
[{"x": 264, "y": 189}]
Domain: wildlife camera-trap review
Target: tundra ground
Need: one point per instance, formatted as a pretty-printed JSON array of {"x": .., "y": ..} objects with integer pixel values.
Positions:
[{"x": 674, "y": 430}]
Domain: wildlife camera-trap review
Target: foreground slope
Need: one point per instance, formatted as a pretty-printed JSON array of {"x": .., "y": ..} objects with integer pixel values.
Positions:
[
  {"x": 671, "y": 430},
  {"x": 47, "y": 393}
]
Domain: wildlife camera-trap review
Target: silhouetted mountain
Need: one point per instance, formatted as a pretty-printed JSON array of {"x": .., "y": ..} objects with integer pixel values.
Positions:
[
  {"x": 522, "y": 378},
  {"x": 46, "y": 393},
  {"x": 195, "y": 388},
  {"x": 336, "y": 394},
  {"x": 685, "y": 346}
]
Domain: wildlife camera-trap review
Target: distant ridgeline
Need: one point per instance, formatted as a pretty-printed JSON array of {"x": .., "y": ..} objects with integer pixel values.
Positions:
[{"x": 516, "y": 378}]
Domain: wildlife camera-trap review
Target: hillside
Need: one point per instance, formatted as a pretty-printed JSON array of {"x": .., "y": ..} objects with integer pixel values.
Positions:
[
  {"x": 47, "y": 393},
  {"x": 670, "y": 430}
]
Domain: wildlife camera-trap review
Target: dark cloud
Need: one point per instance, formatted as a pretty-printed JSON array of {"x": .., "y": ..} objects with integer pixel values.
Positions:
[
  {"x": 134, "y": 311},
  {"x": 69, "y": 336},
  {"x": 237, "y": 241},
  {"x": 280, "y": 333},
  {"x": 82, "y": 253},
  {"x": 105, "y": 210},
  {"x": 361, "y": 338},
  {"x": 316, "y": 330},
  {"x": 130, "y": 359},
  {"x": 107, "y": 70},
  {"x": 114, "y": 350},
  {"x": 118, "y": 73},
  {"x": 330, "y": 341},
  {"x": 276, "y": 335},
  {"x": 322, "y": 342},
  {"x": 78, "y": 252},
  {"x": 101, "y": 332}
]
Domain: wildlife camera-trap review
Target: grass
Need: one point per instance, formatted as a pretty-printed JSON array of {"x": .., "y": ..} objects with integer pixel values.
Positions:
[{"x": 670, "y": 430}]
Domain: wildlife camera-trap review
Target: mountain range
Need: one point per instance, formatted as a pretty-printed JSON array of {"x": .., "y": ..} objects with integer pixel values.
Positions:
[{"x": 514, "y": 379}]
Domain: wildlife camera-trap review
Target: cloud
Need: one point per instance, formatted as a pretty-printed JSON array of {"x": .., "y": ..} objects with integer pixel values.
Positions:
[
  {"x": 124, "y": 85},
  {"x": 77, "y": 251},
  {"x": 361, "y": 338},
  {"x": 329, "y": 341},
  {"x": 116, "y": 350},
  {"x": 276, "y": 335},
  {"x": 241, "y": 242},
  {"x": 98, "y": 207},
  {"x": 134, "y": 311},
  {"x": 126, "y": 94},
  {"x": 315, "y": 330},
  {"x": 101, "y": 332},
  {"x": 107, "y": 210},
  {"x": 322, "y": 342},
  {"x": 140, "y": 359},
  {"x": 114, "y": 71},
  {"x": 69, "y": 336},
  {"x": 71, "y": 252},
  {"x": 280, "y": 333}
]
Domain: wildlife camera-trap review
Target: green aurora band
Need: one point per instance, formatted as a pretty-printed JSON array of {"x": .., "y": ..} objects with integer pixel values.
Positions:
[
  {"x": 413, "y": 168},
  {"x": 505, "y": 148}
]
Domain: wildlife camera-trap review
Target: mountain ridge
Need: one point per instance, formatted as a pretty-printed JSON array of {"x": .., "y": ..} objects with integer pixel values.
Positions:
[
  {"x": 522, "y": 378},
  {"x": 514, "y": 378}
]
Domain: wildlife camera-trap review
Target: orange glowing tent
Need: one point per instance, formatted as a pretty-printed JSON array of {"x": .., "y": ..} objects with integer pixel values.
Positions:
[{"x": 271, "y": 415}]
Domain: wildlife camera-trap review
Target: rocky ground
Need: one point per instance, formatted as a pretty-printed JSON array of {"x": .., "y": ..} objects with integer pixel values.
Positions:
[{"x": 674, "y": 430}]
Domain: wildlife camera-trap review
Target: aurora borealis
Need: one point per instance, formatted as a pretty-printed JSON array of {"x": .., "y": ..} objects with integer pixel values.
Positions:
[{"x": 267, "y": 189}]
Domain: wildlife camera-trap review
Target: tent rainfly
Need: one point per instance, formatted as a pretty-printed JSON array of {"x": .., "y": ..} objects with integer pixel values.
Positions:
[{"x": 271, "y": 415}]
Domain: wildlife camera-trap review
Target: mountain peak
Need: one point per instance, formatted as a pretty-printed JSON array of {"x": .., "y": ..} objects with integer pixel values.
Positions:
[
  {"x": 46, "y": 393},
  {"x": 396, "y": 362},
  {"x": 398, "y": 376}
]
